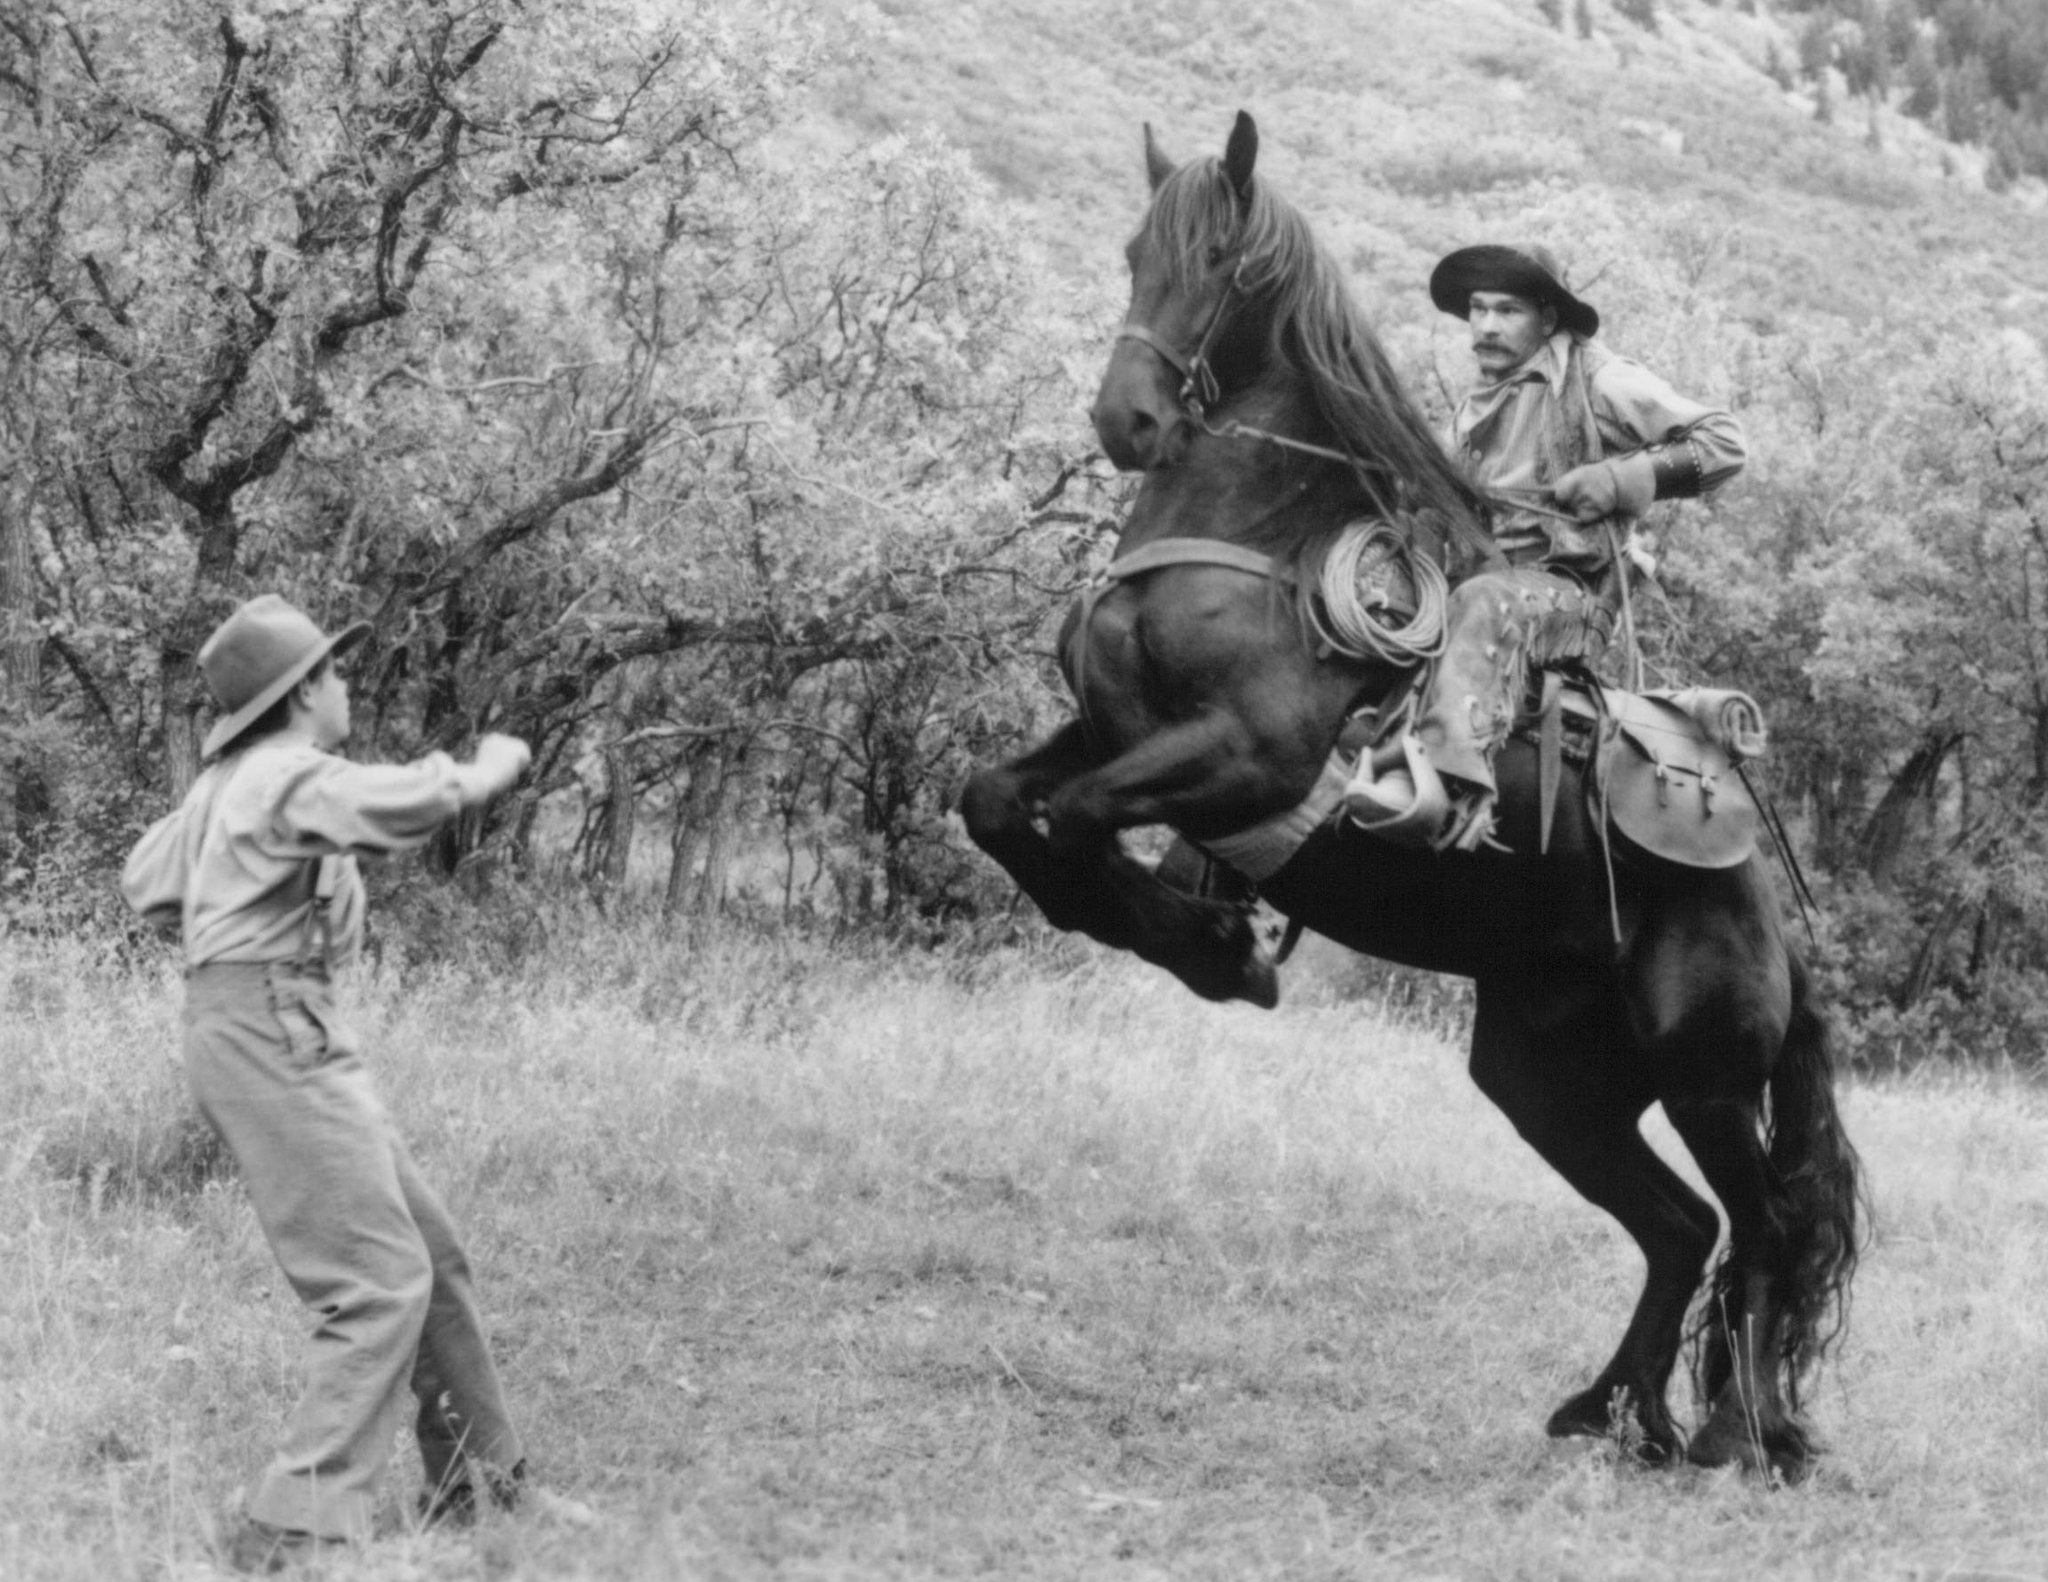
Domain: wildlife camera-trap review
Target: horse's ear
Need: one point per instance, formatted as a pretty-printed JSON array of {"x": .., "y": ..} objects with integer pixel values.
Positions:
[
  {"x": 1240, "y": 154},
  {"x": 1158, "y": 164}
]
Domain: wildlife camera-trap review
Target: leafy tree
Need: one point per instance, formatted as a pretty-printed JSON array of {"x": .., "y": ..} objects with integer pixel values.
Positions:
[
  {"x": 227, "y": 224},
  {"x": 1816, "y": 46},
  {"x": 1923, "y": 81},
  {"x": 1641, "y": 12},
  {"x": 507, "y": 328},
  {"x": 1775, "y": 67},
  {"x": 1901, "y": 30},
  {"x": 1860, "y": 50}
]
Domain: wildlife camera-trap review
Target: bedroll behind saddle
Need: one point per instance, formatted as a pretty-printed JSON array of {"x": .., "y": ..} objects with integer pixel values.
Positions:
[{"x": 1670, "y": 787}]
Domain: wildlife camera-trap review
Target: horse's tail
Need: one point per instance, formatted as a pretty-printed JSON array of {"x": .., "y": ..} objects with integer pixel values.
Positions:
[{"x": 1818, "y": 1207}]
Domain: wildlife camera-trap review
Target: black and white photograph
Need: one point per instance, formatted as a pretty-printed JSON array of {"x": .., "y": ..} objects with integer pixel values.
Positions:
[{"x": 1080, "y": 791}]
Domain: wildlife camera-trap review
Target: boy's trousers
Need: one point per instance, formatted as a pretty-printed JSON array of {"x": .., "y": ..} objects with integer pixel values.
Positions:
[{"x": 363, "y": 1240}]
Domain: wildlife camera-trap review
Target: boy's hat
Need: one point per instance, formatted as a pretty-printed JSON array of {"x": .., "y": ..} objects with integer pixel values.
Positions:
[
  {"x": 1530, "y": 271},
  {"x": 256, "y": 656}
]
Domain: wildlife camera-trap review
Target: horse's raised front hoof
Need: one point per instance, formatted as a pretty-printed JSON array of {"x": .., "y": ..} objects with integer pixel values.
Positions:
[
  {"x": 1261, "y": 982},
  {"x": 1728, "y": 1439},
  {"x": 1593, "y": 1414},
  {"x": 1249, "y": 977},
  {"x": 1221, "y": 958}
]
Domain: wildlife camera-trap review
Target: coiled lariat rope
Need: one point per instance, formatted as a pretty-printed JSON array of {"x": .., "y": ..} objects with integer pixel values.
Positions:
[
  {"x": 1352, "y": 628},
  {"x": 1357, "y": 589}
]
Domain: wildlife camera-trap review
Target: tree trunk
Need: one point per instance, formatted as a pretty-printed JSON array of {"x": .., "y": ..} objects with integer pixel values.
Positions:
[
  {"x": 26, "y": 807},
  {"x": 619, "y": 799},
  {"x": 682, "y": 853},
  {"x": 1987, "y": 940},
  {"x": 184, "y": 700},
  {"x": 1927, "y": 961},
  {"x": 692, "y": 836},
  {"x": 1913, "y": 787},
  {"x": 2037, "y": 778},
  {"x": 1838, "y": 791},
  {"x": 710, "y": 894}
]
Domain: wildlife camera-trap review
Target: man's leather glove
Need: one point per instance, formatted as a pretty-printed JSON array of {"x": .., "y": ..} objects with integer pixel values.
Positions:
[{"x": 1622, "y": 487}]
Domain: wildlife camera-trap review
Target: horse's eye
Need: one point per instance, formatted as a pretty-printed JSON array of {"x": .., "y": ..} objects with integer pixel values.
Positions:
[{"x": 1215, "y": 256}]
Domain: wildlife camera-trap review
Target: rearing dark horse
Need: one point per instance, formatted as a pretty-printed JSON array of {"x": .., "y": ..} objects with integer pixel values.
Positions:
[{"x": 1206, "y": 705}]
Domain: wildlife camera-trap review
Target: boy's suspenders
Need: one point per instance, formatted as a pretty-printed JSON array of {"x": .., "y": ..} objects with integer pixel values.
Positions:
[
  {"x": 326, "y": 879},
  {"x": 320, "y": 915}
]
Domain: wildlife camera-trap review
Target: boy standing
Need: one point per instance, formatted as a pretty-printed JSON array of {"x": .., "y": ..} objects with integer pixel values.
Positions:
[{"x": 257, "y": 869}]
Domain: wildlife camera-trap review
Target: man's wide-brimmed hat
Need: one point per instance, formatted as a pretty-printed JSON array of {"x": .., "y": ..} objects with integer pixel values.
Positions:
[
  {"x": 257, "y": 655},
  {"x": 1527, "y": 270}
]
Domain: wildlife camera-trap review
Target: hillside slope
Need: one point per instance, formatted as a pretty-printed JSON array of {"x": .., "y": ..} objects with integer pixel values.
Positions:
[{"x": 1406, "y": 129}]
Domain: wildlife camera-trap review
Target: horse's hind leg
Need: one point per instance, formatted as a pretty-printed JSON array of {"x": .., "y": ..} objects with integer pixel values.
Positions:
[
  {"x": 1749, "y": 1422},
  {"x": 1580, "y": 1111},
  {"x": 1736, "y": 1016}
]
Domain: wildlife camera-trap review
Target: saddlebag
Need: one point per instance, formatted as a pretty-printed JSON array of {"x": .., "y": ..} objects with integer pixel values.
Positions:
[{"x": 1669, "y": 791}]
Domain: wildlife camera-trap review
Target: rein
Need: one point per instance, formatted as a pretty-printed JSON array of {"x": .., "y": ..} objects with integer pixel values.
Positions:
[
  {"x": 1236, "y": 430},
  {"x": 1525, "y": 500}
]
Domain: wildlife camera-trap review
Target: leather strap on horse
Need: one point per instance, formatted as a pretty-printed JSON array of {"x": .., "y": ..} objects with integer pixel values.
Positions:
[
  {"x": 1802, "y": 893},
  {"x": 1549, "y": 756},
  {"x": 1189, "y": 552},
  {"x": 1631, "y": 649}
]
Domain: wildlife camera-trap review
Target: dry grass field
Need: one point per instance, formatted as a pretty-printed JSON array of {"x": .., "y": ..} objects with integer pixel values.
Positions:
[{"x": 815, "y": 1262}]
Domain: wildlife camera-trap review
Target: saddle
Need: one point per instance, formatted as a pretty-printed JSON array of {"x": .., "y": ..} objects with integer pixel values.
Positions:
[{"x": 1665, "y": 766}]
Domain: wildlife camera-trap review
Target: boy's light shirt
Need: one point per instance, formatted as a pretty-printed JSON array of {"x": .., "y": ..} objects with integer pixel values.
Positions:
[{"x": 233, "y": 867}]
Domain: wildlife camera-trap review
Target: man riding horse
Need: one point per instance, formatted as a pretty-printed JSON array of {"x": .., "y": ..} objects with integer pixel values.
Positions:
[
  {"x": 1621, "y": 931},
  {"x": 1573, "y": 443}
]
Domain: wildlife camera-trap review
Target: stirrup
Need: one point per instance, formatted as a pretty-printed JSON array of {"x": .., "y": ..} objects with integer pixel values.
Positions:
[{"x": 1407, "y": 807}]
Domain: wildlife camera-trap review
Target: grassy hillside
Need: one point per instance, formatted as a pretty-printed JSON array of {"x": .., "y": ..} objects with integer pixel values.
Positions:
[{"x": 1406, "y": 129}]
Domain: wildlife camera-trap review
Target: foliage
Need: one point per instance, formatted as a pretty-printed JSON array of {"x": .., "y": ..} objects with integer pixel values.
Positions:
[
  {"x": 514, "y": 330},
  {"x": 1980, "y": 66},
  {"x": 1643, "y": 13}
]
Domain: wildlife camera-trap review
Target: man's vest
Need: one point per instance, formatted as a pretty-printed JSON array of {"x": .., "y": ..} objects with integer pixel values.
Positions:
[{"x": 1570, "y": 437}]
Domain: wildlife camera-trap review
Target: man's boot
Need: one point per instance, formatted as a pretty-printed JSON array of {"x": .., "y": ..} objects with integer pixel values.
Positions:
[{"x": 1397, "y": 795}]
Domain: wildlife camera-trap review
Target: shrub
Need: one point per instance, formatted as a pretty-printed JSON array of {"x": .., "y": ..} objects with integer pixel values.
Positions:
[{"x": 1641, "y": 12}]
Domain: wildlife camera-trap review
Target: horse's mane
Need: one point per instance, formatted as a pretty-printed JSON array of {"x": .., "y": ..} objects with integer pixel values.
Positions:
[{"x": 1317, "y": 327}]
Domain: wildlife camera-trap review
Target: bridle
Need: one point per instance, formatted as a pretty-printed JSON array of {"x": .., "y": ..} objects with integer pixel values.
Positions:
[
  {"x": 1199, "y": 389},
  {"x": 1198, "y": 385}
]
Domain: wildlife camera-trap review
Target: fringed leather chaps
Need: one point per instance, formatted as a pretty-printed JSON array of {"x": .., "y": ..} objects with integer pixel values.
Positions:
[{"x": 1501, "y": 626}]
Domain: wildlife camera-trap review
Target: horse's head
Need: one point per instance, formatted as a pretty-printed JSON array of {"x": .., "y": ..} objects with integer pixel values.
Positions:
[{"x": 1193, "y": 332}]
